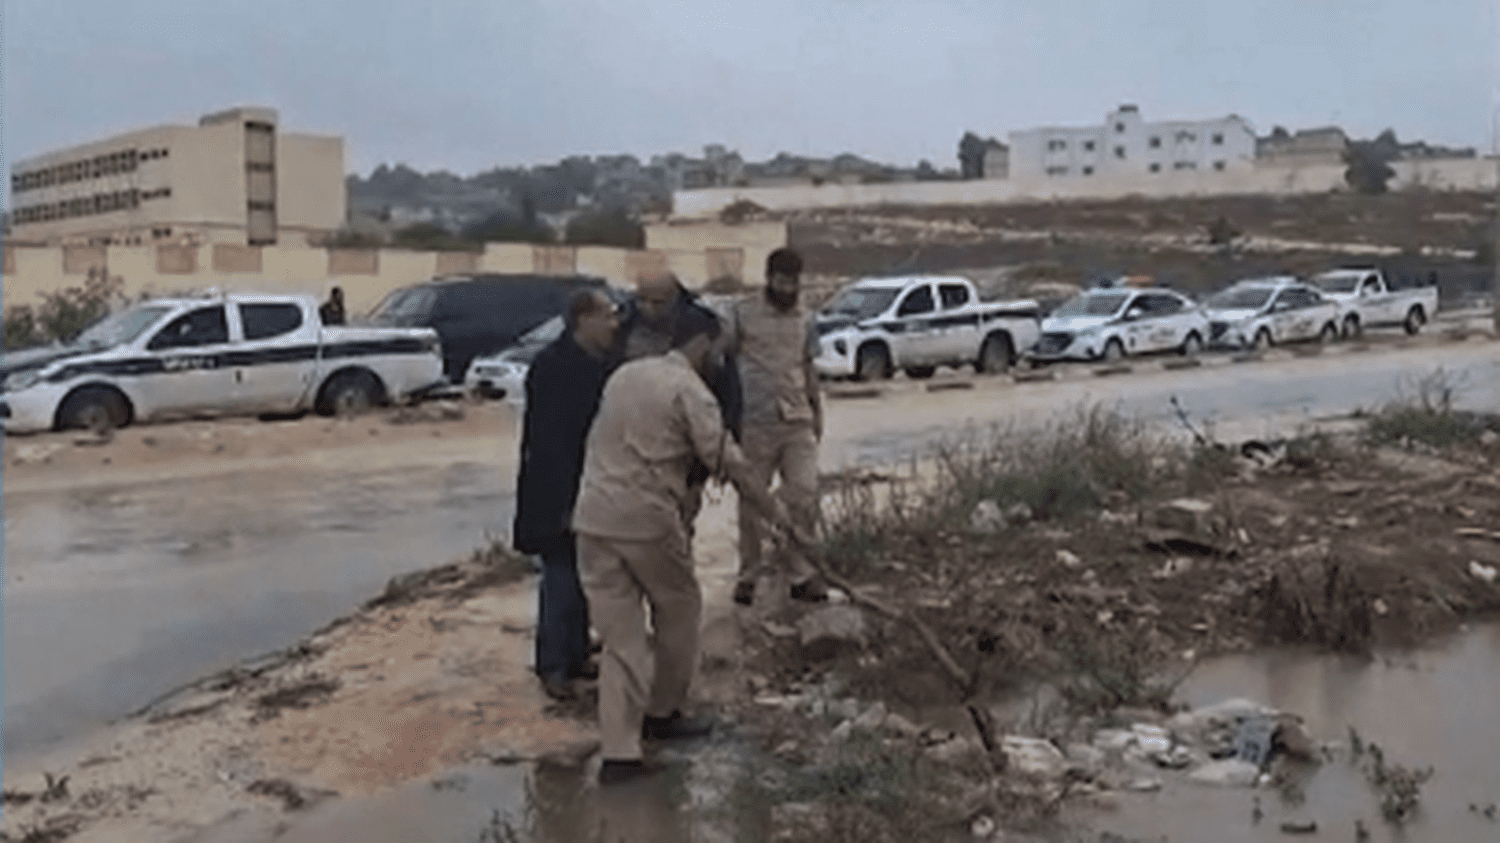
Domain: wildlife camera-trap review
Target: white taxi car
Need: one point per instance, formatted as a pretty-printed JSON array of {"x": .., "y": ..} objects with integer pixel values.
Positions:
[{"x": 1108, "y": 323}]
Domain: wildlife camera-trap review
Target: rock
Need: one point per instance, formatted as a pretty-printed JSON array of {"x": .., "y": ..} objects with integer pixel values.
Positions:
[
  {"x": 1299, "y": 826},
  {"x": 982, "y": 827},
  {"x": 1143, "y": 784},
  {"x": 986, "y": 518},
  {"x": 900, "y": 726},
  {"x": 828, "y": 630},
  {"x": 842, "y": 731},
  {"x": 956, "y": 751},
  {"x": 1019, "y": 513},
  {"x": 1231, "y": 773},
  {"x": 1488, "y": 438},
  {"x": 1033, "y": 757},
  {"x": 1292, "y": 738},
  {"x": 1177, "y": 758},
  {"x": 1185, "y": 515},
  {"x": 788, "y": 750},
  {"x": 1483, "y": 572},
  {"x": 798, "y": 820},
  {"x": 1227, "y": 711},
  {"x": 1086, "y": 757},
  {"x": 1068, "y": 559},
  {"x": 872, "y": 718},
  {"x": 1113, "y": 740},
  {"x": 844, "y": 709}
]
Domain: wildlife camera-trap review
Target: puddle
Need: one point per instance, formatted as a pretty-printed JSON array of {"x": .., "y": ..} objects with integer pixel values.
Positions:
[
  {"x": 539, "y": 804},
  {"x": 1436, "y": 707}
]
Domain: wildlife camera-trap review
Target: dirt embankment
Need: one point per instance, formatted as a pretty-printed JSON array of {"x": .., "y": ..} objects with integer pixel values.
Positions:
[{"x": 1411, "y": 234}]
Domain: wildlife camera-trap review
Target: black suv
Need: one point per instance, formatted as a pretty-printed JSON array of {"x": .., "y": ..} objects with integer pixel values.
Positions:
[{"x": 476, "y": 315}]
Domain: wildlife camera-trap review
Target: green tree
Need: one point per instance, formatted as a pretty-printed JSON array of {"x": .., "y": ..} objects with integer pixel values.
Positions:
[
  {"x": 506, "y": 227},
  {"x": 1368, "y": 163},
  {"x": 428, "y": 237},
  {"x": 21, "y": 330},
  {"x": 971, "y": 150},
  {"x": 65, "y": 313}
]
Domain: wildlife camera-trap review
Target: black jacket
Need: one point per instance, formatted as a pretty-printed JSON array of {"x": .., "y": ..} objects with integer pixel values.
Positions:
[{"x": 562, "y": 395}]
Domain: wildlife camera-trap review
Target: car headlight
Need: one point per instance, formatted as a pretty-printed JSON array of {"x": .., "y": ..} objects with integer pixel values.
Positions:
[{"x": 22, "y": 380}]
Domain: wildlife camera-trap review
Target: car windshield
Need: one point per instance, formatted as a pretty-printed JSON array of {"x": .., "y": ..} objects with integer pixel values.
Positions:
[
  {"x": 1338, "y": 283},
  {"x": 1241, "y": 298},
  {"x": 120, "y": 328},
  {"x": 862, "y": 302},
  {"x": 1096, "y": 304},
  {"x": 404, "y": 308}
]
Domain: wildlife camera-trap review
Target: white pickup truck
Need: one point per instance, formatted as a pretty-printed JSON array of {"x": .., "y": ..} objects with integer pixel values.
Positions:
[
  {"x": 1367, "y": 300},
  {"x": 917, "y": 323},
  {"x": 214, "y": 355}
]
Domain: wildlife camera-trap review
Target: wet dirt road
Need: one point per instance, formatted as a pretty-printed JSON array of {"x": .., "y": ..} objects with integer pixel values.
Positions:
[{"x": 116, "y": 591}]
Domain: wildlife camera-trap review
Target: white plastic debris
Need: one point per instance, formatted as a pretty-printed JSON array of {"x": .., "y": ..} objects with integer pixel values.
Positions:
[{"x": 1484, "y": 572}]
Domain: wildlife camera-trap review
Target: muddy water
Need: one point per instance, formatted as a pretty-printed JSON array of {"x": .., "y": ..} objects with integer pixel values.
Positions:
[
  {"x": 114, "y": 595},
  {"x": 1435, "y": 706},
  {"x": 1438, "y": 707}
]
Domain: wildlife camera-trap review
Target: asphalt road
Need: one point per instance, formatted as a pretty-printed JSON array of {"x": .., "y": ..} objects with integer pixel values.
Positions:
[{"x": 114, "y": 594}]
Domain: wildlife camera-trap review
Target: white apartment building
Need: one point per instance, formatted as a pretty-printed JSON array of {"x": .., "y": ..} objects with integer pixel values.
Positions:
[
  {"x": 233, "y": 178},
  {"x": 1126, "y": 145}
]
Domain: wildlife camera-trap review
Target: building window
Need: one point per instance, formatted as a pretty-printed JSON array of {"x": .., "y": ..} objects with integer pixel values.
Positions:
[
  {"x": 1185, "y": 136},
  {"x": 1218, "y": 165},
  {"x": 261, "y": 206},
  {"x": 1120, "y": 128},
  {"x": 1088, "y": 171},
  {"x": 1155, "y": 167},
  {"x": 1055, "y": 145},
  {"x": 1088, "y": 146},
  {"x": 1155, "y": 142},
  {"x": 1185, "y": 165},
  {"x": 1218, "y": 138},
  {"x": 1119, "y": 152},
  {"x": 1057, "y": 171}
]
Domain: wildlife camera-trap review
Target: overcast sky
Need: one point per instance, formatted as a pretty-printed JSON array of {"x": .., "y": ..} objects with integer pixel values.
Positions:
[{"x": 468, "y": 84}]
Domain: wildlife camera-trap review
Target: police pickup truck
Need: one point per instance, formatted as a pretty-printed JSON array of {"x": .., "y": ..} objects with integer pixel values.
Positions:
[
  {"x": 916, "y": 323},
  {"x": 213, "y": 355},
  {"x": 1368, "y": 300}
]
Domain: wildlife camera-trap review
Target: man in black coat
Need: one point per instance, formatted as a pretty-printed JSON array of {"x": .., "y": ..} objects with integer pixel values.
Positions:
[{"x": 563, "y": 386}]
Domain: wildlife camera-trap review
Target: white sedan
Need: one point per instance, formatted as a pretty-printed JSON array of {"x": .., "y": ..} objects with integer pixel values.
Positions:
[
  {"x": 1262, "y": 312},
  {"x": 1108, "y": 323}
]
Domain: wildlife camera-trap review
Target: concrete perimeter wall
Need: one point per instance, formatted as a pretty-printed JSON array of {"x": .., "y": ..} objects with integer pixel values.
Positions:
[
  {"x": 1438, "y": 174},
  {"x": 697, "y": 253}
]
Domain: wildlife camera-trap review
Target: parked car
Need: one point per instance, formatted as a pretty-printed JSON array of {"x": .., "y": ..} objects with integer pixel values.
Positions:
[
  {"x": 917, "y": 323},
  {"x": 214, "y": 355},
  {"x": 477, "y": 315},
  {"x": 503, "y": 375},
  {"x": 1368, "y": 300},
  {"x": 1261, "y": 312},
  {"x": 1109, "y": 323}
]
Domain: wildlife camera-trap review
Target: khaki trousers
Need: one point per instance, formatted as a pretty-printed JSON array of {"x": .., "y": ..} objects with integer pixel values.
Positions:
[
  {"x": 790, "y": 451},
  {"x": 640, "y": 674}
]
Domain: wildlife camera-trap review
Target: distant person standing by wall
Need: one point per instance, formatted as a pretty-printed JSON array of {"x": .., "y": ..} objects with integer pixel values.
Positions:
[
  {"x": 563, "y": 386},
  {"x": 331, "y": 312},
  {"x": 774, "y": 340}
]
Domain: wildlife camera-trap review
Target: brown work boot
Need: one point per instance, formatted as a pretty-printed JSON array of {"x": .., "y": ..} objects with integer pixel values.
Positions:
[
  {"x": 619, "y": 771},
  {"x": 676, "y": 726},
  {"x": 744, "y": 592},
  {"x": 810, "y": 591}
]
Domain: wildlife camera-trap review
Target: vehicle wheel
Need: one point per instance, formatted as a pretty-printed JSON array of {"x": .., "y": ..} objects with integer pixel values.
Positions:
[
  {"x": 1351, "y": 327},
  {"x": 349, "y": 394},
  {"x": 920, "y": 372},
  {"x": 94, "y": 408},
  {"x": 1192, "y": 345},
  {"x": 1329, "y": 334},
  {"x": 1415, "y": 319},
  {"x": 994, "y": 355},
  {"x": 1114, "y": 351},
  {"x": 1263, "y": 340},
  {"x": 872, "y": 363}
]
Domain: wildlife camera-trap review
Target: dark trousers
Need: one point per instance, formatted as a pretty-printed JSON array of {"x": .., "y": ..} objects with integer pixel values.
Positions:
[{"x": 562, "y": 617}]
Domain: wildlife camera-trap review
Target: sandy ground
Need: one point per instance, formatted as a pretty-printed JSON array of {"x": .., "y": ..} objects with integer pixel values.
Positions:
[{"x": 387, "y": 694}]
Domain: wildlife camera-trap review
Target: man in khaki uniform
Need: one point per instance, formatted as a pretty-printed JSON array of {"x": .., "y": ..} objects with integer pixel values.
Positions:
[
  {"x": 656, "y": 417},
  {"x": 774, "y": 341}
]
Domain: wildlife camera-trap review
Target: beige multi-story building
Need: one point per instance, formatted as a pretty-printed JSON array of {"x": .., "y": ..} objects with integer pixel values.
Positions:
[{"x": 233, "y": 178}]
